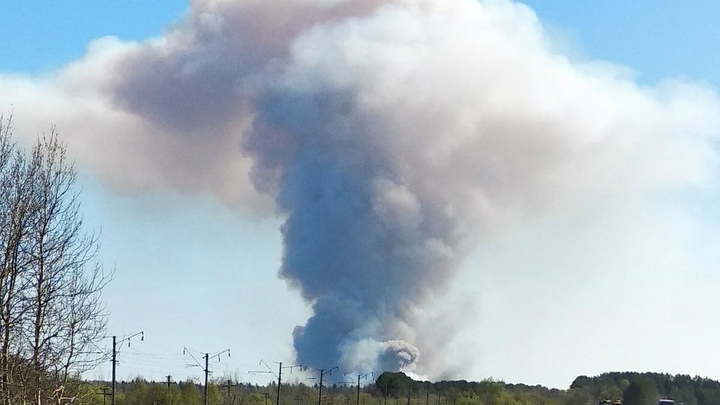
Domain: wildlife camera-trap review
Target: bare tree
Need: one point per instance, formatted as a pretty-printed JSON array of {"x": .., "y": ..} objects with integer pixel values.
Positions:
[
  {"x": 15, "y": 212},
  {"x": 50, "y": 283}
]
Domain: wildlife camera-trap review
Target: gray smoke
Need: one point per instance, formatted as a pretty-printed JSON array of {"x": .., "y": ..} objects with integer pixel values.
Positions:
[
  {"x": 361, "y": 241},
  {"x": 393, "y": 139},
  {"x": 390, "y": 135}
]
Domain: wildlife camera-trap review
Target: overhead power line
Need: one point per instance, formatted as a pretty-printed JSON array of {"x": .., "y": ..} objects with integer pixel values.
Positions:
[
  {"x": 206, "y": 369},
  {"x": 114, "y": 359}
]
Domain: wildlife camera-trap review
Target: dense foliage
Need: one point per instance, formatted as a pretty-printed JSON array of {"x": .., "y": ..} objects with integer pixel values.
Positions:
[
  {"x": 399, "y": 389},
  {"x": 646, "y": 388}
]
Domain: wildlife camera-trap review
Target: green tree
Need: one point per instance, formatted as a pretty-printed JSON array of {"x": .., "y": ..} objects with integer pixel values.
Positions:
[
  {"x": 254, "y": 398},
  {"x": 582, "y": 382},
  {"x": 469, "y": 400},
  {"x": 133, "y": 394},
  {"x": 642, "y": 391},
  {"x": 393, "y": 384},
  {"x": 158, "y": 394},
  {"x": 189, "y": 394},
  {"x": 578, "y": 396},
  {"x": 213, "y": 395},
  {"x": 610, "y": 392}
]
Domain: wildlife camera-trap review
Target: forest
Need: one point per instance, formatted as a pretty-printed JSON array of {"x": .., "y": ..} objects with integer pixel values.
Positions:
[{"x": 399, "y": 389}]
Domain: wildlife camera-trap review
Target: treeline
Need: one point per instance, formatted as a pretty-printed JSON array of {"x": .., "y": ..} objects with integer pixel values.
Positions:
[
  {"x": 222, "y": 392},
  {"x": 399, "y": 389},
  {"x": 646, "y": 388}
]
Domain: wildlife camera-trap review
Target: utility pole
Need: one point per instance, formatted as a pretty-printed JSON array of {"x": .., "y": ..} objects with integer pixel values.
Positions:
[
  {"x": 206, "y": 369},
  {"x": 168, "y": 380},
  {"x": 114, "y": 360},
  {"x": 320, "y": 392},
  {"x": 322, "y": 373},
  {"x": 266, "y": 396},
  {"x": 359, "y": 377},
  {"x": 231, "y": 398},
  {"x": 277, "y": 400},
  {"x": 279, "y": 376},
  {"x": 105, "y": 394}
]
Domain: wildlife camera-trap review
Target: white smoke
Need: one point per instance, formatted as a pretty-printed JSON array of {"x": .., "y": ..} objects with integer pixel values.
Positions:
[{"x": 368, "y": 354}]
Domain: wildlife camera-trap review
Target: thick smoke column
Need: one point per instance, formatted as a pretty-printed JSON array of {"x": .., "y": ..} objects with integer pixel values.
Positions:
[
  {"x": 392, "y": 139},
  {"x": 356, "y": 239},
  {"x": 389, "y": 134},
  {"x": 360, "y": 241},
  {"x": 363, "y": 241}
]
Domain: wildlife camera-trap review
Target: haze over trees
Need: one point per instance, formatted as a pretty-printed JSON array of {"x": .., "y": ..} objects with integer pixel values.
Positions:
[{"x": 50, "y": 309}]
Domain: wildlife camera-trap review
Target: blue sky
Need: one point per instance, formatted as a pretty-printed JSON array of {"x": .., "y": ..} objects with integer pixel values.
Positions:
[
  {"x": 49, "y": 34},
  {"x": 193, "y": 273},
  {"x": 658, "y": 39}
]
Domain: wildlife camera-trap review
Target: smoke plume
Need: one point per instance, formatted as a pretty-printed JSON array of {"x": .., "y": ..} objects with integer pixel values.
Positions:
[{"x": 389, "y": 134}]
